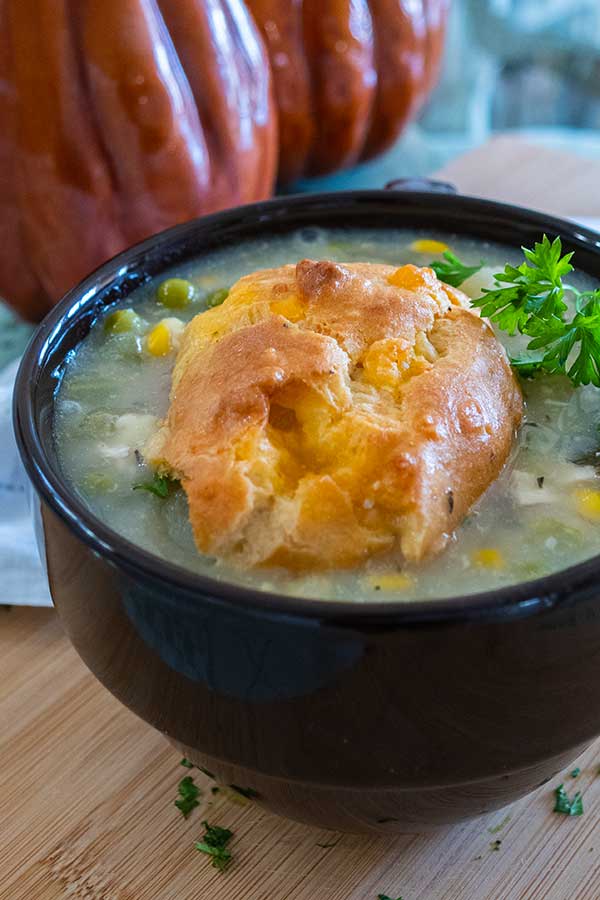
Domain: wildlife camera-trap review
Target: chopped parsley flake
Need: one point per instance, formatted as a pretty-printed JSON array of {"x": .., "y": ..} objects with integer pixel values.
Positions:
[
  {"x": 565, "y": 805},
  {"x": 575, "y": 772},
  {"x": 160, "y": 486},
  {"x": 214, "y": 843},
  {"x": 185, "y": 762},
  {"x": 188, "y": 796},
  {"x": 385, "y": 897}
]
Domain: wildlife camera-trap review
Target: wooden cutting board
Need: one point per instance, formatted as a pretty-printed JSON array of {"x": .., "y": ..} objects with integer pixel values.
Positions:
[{"x": 102, "y": 825}]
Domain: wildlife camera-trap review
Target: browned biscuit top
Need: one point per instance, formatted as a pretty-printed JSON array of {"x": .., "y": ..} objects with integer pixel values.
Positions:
[{"x": 325, "y": 413}]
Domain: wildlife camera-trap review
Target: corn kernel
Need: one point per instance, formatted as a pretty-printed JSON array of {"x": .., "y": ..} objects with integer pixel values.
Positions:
[
  {"x": 394, "y": 581},
  {"x": 587, "y": 502},
  {"x": 159, "y": 340},
  {"x": 488, "y": 558},
  {"x": 425, "y": 245}
]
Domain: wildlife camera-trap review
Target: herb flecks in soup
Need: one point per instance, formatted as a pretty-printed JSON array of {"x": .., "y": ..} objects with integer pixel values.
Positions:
[
  {"x": 326, "y": 413},
  {"x": 540, "y": 514}
]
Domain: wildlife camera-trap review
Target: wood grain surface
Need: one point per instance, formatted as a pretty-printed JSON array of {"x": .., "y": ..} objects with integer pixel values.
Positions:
[
  {"x": 102, "y": 826},
  {"x": 511, "y": 170}
]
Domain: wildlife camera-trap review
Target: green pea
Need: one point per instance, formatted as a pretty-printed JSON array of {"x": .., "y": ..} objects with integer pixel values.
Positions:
[
  {"x": 122, "y": 320},
  {"x": 215, "y": 298},
  {"x": 175, "y": 293}
]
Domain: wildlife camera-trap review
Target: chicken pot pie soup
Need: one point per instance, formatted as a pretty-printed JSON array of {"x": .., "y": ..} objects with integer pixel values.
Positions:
[{"x": 321, "y": 415}]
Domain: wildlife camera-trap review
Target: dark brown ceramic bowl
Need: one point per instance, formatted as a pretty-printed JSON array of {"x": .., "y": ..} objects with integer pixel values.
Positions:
[{"x": 381, "y": 717}]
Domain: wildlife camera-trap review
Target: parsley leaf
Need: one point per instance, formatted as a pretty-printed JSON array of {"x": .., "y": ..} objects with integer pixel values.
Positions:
[
  {"x": 160, "y": 485},
  {"x": 554, "y": 342},
  {"x": 214, "y": 843},
  {"x": 188, "y": 796},
  {"x": 565, "y": 805},
  {"x": 585, "y": 329},
  {"x": 385, "y": 897},
  {"x": 452, "y": 271}
]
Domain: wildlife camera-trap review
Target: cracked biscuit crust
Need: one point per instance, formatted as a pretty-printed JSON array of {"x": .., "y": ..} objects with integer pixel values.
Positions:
[{"x": 325, "y": 413}]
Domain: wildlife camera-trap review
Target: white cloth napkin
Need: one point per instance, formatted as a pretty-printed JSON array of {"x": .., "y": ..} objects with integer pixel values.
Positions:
[{"x": 22, "y": 580}]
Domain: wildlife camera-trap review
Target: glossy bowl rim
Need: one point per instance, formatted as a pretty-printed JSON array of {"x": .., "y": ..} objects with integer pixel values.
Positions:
[{"x": 522, "y": 598}]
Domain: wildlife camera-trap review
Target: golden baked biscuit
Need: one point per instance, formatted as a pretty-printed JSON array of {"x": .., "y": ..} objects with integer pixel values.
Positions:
[{"x": 325, "y": 413}]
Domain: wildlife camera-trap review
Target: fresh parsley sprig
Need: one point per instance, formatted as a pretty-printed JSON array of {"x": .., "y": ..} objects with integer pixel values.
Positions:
[
  {"x": 452, "y": 271},
  {"x": 533, "y": 302},
  {"x": 530, "y": 299},
  {"x": 531, "y": 295},
  {"x": 555, "y": 342}
]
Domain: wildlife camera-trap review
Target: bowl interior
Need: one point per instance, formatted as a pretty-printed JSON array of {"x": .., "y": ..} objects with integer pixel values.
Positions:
[{"x": 70, "y": 321}]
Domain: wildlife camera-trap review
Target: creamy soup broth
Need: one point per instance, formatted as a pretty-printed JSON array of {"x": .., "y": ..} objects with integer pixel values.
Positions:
[{"x": 541, "y": 515}]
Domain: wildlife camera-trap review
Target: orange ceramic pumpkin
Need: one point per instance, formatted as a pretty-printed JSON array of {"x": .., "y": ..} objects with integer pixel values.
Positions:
[
  {"x": 348, "y": 74},
  {"x": 119, "y": 118}
]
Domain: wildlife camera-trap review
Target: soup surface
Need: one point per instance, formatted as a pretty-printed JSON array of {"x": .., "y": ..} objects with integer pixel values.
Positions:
[{"x": 541, "y": 515}]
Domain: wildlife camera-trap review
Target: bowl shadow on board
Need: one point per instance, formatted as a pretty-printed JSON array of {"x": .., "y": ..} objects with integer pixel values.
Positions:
[{"x": 355, "y": 717}]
